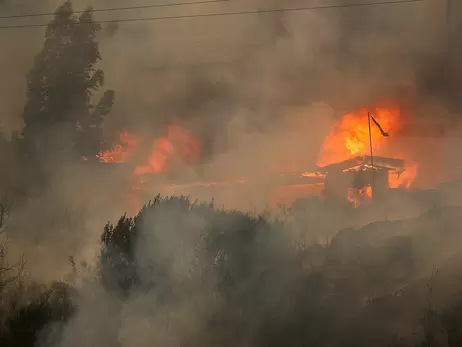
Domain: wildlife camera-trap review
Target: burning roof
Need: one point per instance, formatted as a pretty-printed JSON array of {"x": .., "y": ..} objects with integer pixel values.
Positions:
[{"x": 366, "y": 162}]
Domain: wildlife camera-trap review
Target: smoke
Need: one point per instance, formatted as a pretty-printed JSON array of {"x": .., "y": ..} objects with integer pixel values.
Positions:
[
  {"x": 260, "y": 92},
  {"x": 183, "y": 302}
]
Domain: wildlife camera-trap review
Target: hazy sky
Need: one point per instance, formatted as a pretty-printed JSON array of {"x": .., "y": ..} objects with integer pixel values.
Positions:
[
  {"x": 261, "y": 89},
  {"x": 133, "y": 52}
]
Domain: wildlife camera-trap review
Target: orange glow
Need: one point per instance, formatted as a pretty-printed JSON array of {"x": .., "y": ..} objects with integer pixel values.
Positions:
[
  {"x": 177, "y": 143},
  {"x": 120, "y": 153},
  {"x": 188, "y": 146},
  {"x": 359, "y": 196},
  {"x": 405, "y": 179},
  {"x": 313, "y": 174},
  {"x": 157, "y": 160},
  {"x": 349, "y": 137},
  {"x": 205, "y": 184}
]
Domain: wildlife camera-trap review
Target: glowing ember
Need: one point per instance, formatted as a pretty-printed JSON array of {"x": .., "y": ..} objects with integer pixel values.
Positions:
[
  {"x": 313, "y": 174},
  {"x": 359, "y": 196}
]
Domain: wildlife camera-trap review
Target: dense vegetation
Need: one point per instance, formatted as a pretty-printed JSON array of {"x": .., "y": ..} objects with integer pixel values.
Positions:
[
  {"x": 213, "y": 277},
  {"x": 60, "y": 87}
]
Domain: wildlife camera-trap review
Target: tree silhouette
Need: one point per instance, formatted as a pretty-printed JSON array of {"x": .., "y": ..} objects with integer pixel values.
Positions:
[
  {"x": 34, "y": 311},
  {"x": 59, "y": 114}
]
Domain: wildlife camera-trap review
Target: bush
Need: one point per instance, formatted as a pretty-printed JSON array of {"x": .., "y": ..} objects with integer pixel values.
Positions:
[{"x": 32, "y": 309}]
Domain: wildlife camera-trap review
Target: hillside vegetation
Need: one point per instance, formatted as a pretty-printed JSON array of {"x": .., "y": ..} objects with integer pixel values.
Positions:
[{"x": 182, "y": 273}]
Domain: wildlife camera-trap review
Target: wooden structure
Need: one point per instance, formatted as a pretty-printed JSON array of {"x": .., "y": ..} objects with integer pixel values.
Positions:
[{"x": 358, "y": 174}]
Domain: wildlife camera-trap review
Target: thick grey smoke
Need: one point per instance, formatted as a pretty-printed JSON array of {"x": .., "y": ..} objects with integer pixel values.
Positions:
[{"x": 259, "y": 91}]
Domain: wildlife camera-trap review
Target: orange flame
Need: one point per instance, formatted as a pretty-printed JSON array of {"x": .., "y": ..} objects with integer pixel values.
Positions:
[
  {"x": 177, "y": 142},
  {"x": 405, "y": 179},
  {"x": 349, "y": 138},
  {"x": 350, "y": 135},
  {"x": 359, "y": 196},
  {"x": 120, "y": 153}
]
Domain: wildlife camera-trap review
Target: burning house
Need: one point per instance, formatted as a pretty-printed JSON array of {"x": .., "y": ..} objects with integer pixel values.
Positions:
[
  {"x": 360, "y": 178},
  {"x": 344, "y": 172}
]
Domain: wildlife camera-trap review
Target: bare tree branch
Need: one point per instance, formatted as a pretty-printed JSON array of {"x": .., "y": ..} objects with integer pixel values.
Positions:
[{"x": 9, "y": 273}]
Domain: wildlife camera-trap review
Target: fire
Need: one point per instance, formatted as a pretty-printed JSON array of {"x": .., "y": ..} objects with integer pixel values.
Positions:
[
  {"x": 359, "y": 196},
  {"x": 120, "y": 153},
  {"x": 405, "y": 179},
  {"x": 350, "y": 135},
  {"x": 177, "y": 143}
]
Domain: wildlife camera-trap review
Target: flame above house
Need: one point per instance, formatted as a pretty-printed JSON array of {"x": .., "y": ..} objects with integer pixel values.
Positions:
[{"x": 350, "y": 137}]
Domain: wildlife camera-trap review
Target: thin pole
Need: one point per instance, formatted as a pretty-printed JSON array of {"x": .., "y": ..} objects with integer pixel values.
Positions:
[
  {"x": 370, "y": 138},
  {"x": 372, "y": 154}
]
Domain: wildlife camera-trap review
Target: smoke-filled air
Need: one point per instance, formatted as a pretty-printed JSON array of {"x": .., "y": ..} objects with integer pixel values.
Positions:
[{"x": 242, "y": 173}]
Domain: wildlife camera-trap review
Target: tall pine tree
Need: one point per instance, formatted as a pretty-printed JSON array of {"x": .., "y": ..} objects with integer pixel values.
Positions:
[{"x": 59, "y": 114}]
